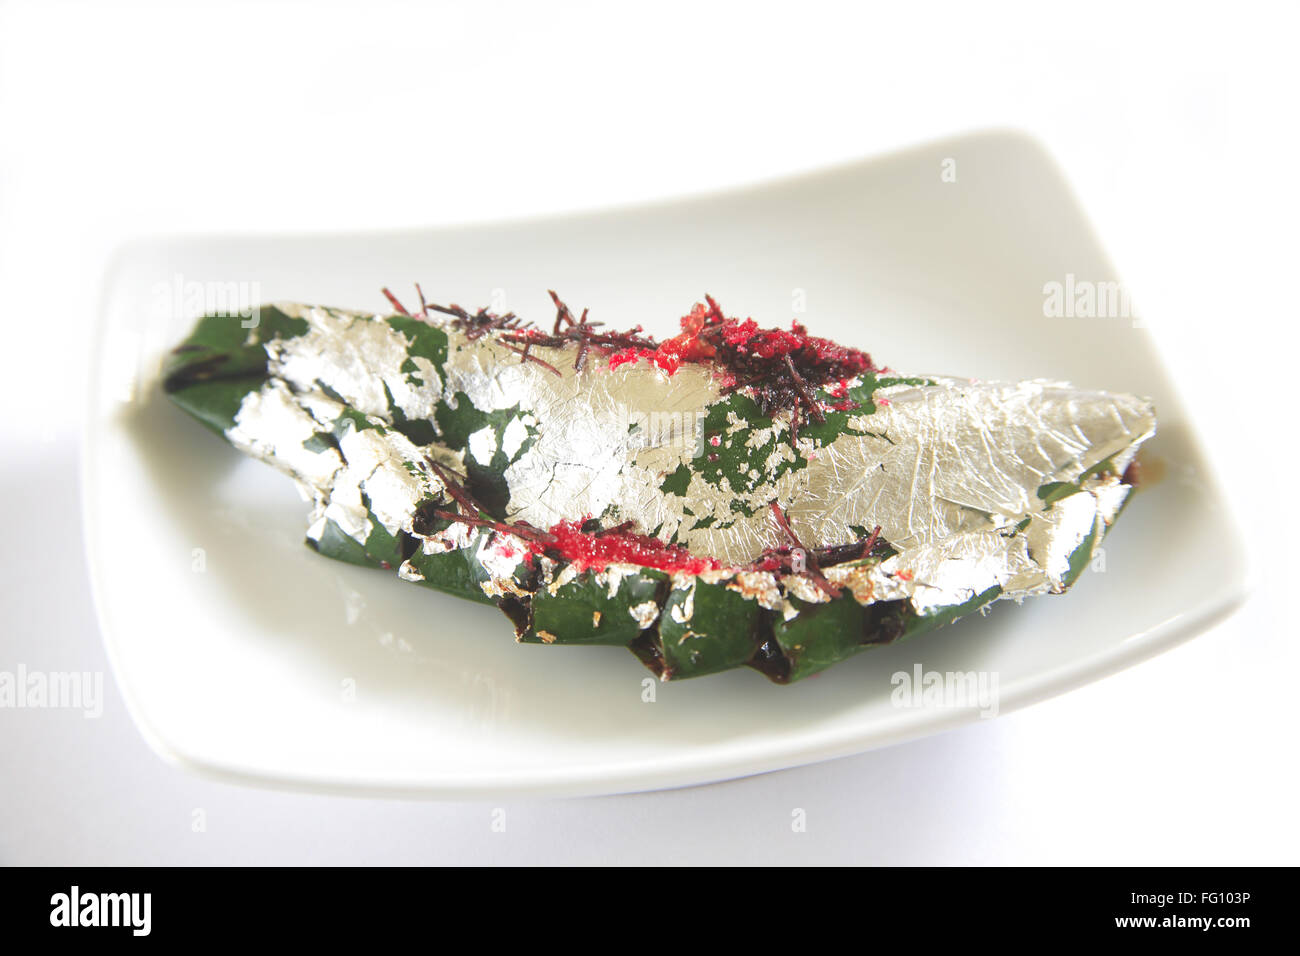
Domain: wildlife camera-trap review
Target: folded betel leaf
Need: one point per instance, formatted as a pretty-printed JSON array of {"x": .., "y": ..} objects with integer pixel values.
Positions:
[{"x": 730, "y": 496}]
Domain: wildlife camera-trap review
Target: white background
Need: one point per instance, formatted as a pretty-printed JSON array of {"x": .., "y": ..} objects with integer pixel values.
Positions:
[{"x": 1176, "y": 124}]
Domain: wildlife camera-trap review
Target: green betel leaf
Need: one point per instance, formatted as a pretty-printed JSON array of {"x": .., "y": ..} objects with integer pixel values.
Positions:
[
  {"x": 335, "y": 543},
  {"x": 453, "y": 572},
  {"x": 1081, "y": 555},
  {"x": 224, "y": 359},
  {"x": 706, "y": 628},
  {"x": 216, "y": 403},
  {"x": 821, "y": 635},
  {"x": 583, "y": 611}
]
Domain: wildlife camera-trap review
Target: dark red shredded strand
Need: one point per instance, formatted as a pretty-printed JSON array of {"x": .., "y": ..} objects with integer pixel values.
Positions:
[
  {"x": 781, "y": 369},
  {"x": 811, "y": 568}
]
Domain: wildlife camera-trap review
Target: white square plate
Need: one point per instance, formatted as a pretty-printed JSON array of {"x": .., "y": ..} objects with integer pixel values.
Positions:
[{"x": 243, "y": 654}]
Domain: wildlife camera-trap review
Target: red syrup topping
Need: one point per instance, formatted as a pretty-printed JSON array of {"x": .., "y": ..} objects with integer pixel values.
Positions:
[
  {"x": 781, "y": 369},
  {"x": 595, "y": 551},
  {"x": 666, "y": 361}
]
